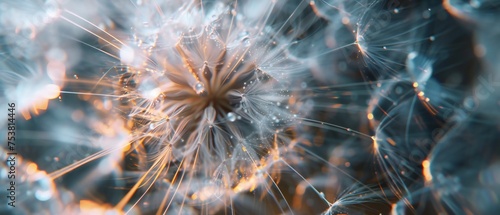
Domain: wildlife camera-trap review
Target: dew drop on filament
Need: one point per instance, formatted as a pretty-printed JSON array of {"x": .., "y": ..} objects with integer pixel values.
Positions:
[
  {"x": 199, "y": 88},
  {"x": 231, "y": 116},
  {"x": 246, "y": 41}
]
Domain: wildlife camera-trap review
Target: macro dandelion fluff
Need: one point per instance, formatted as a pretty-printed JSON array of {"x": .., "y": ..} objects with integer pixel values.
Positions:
[
  {"x": 249, "y": 107},
  {"x": 203, "y": 98}
]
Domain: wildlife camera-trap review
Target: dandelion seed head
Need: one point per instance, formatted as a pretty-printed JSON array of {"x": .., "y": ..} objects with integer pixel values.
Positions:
[{"x": 212, "y": 86}]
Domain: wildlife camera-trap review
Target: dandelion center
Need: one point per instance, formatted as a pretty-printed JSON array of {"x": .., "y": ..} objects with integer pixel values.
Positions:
[{"x": 210, "y": 96}]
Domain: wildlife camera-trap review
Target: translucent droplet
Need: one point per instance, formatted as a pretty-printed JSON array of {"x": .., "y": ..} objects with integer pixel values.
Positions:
[
  {"x": 43, "y": 195},
  {"x": 246, "y": 41},
  {"x": 213, "y": 36},
  {"x": 322, "y": 194},
  {"x": 199, "y": 88},
  {"x": 231, "y": 116},
  {"x": 43, "y": 189}
]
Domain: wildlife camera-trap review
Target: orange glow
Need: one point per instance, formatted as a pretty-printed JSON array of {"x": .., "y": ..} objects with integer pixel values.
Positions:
[
  {"x": 453, "y": 11},
  {"x": 426, "y": 170},
  {"x": 31, "y": 169},
  {"x": 26, "y": 115},
  {"x": 42, "y": 105},
  {"x": 391, "y": 141},
  {"x": 375, "y": 145}
]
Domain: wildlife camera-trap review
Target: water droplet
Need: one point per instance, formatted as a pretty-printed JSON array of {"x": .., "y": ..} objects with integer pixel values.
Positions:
[
  {"x": 76, "y": 76},
  {"x": 213, "y": 36},
  {"x": 199, "y": 88},
  {"x": 43, "y": 189},
  {"x": 231, "y": 116},
  {"x": 246, "y": 41},
  {"x": 432, "y": 38}
]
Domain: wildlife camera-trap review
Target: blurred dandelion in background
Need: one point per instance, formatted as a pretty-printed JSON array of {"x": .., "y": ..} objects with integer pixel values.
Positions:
[{"x": 249, "y": 107}]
